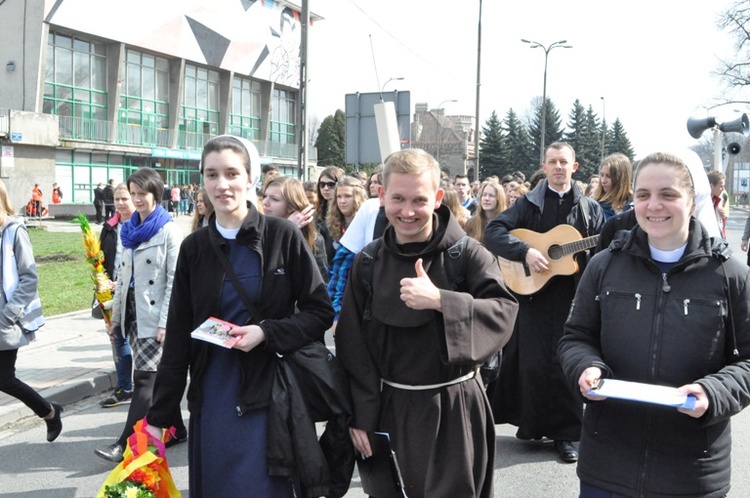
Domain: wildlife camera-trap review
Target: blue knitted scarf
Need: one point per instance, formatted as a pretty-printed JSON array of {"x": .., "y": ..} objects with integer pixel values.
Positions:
[{"x": 133, "y": 232}]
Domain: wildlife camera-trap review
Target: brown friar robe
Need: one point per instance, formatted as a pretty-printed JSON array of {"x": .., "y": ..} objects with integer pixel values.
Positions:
[{"x": 444, "y": 438}]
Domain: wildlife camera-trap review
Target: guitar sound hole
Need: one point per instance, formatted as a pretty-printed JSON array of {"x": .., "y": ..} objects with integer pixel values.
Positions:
[{"x": 555, "y": 251}]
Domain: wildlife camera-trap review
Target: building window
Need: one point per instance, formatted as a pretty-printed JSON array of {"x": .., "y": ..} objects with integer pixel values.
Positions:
[
  {"x": 283, "y": 117},
  {"x": 75, "y": 82},
  {"x": 144, "y": 100},
  {"x": 244, "y": 120},
  {"x": 200, "y": 107}
]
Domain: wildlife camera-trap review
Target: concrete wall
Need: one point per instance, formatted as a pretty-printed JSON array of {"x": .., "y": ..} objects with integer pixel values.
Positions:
[
  {"x": 31, "y": 164},
  {"x": 21, "y": 43}
]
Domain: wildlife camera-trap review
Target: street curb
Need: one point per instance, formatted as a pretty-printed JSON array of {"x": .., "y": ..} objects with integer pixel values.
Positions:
[{"x": 92, "y": 385}]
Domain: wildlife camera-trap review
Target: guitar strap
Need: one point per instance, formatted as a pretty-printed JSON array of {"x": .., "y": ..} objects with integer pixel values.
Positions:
[{"x": 583, "y": 204}]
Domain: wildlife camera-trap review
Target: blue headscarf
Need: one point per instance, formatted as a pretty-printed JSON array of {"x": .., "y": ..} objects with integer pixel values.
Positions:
[{"x": 133, "y": 232}]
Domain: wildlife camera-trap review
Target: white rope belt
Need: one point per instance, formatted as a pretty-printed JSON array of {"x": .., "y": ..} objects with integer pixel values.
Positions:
[{"x": 408, "y": 387}]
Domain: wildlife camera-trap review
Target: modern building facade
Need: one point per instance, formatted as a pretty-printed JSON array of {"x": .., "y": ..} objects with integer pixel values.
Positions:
[{"x": 92, "y": 89}]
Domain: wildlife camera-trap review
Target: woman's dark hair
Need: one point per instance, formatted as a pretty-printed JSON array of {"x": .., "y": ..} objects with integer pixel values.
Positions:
[
  {"x": 336, "y": 174},
  {"x": 223, "y": 142},
  {"x": 149, "y": 180}
]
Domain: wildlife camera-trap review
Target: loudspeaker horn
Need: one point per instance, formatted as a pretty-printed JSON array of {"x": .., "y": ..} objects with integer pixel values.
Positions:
[
  {"x": 734, "y": 148},
  {"x": 739, "y": 125},
  {"x": 696, "y": 126}
]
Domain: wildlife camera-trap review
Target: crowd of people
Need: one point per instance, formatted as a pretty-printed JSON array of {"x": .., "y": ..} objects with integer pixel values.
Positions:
[{"x": 407, "y": 267}]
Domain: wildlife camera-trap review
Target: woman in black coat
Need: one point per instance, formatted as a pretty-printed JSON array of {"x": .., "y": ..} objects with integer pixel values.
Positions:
[{"x": 664, "y": 305}]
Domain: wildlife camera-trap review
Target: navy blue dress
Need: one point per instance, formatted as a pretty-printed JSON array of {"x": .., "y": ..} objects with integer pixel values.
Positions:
[{"x": 227, "y": 451}]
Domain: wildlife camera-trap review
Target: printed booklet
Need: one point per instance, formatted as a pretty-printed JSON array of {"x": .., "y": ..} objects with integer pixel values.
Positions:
[{"x": 216, "y": 332}]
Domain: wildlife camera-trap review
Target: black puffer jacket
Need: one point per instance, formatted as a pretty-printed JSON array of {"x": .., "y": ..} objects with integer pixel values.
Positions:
[{"x": 689, "y": 325}]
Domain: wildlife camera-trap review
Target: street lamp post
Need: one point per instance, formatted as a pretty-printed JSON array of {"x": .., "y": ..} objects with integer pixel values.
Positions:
[
  {"x": 382, "y": 88},
  {"x": 440, "y": 127},
  {"x": 604, "y": 129},
  {"x": 536, "y": 44}
]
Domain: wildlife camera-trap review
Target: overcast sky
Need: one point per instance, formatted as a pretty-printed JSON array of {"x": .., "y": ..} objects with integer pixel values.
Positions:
[{"x": 651, "y": 60}]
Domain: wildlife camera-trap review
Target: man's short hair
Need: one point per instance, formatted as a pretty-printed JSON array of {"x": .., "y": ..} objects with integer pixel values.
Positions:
[
  {"x": 411, "y": 162},
  {"x": 461, "y": 177},
  {"x": 714, "y": 177},
  {"x": 558, "y": 146}
]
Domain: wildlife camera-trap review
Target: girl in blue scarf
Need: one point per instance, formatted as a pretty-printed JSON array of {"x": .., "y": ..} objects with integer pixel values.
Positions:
[{"x": 151, "y": 243}]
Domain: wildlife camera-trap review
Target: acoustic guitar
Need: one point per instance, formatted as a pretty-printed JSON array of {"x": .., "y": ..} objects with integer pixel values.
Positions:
[{"x": 559, "y": 246}]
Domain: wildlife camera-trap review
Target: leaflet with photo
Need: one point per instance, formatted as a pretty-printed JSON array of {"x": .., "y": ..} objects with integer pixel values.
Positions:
[{"x": 216, "y": 332}]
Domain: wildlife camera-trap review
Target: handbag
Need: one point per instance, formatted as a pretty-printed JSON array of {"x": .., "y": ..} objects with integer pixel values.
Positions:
[{"x": 96, "y": 309}]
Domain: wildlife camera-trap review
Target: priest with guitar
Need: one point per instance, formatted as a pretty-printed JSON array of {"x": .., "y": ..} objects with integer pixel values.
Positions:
[{"x": 532, "y": 392}]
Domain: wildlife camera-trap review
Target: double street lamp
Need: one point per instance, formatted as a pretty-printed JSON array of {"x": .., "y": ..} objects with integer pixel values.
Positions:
[
  {"x": 547, "y": 49},
  {"x": 440, "y": 127}
]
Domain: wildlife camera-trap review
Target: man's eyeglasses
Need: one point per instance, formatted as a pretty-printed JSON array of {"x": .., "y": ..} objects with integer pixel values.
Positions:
[{"x": 326, "y": 184}]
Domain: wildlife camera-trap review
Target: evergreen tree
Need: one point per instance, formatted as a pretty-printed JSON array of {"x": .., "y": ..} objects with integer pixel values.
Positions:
[
  {"x": 491, "y": 146},
  {"x": 576, "y": 126},
  {"x": 619, "y": 140},
  {"x": 520, "y": 153},
  {"x": 331, "y": 143},
  {"x": 589, "y": 152},
  {"x": 553, "y": 123}
]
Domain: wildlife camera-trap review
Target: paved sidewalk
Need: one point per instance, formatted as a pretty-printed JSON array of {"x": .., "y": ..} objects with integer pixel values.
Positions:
[{"x": 71, "y": 358}]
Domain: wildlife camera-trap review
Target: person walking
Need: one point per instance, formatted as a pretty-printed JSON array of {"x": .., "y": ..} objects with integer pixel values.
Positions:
[
  {"x": 111, "y": 244},
  {"x": 99, "y": 202},
  {"x": 665, "y": 305},
  {"x": 230, "y": 389},
  {"x": 19, "y": 285},
  {"x": 411, "y": 343},
  {"x": 109, "y": 199},
  {"x": 532, "y": 392},
  {"x": 151, "y": 242}
]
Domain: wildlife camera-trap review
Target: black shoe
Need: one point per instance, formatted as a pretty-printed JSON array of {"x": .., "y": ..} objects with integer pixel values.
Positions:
[
  {"x": 54, "y": 424},
  {"x": 567, "y": 451},
  {"x": 112, "y": 452},
  {"x": 173, "y": 440}
]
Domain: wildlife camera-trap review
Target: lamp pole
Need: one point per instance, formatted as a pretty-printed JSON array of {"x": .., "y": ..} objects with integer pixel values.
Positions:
[
  {"x": 440, "y": 127},
  {"x": 382, "y": 88},
  {"x": 604, "y": 124},
  {"x": 547, "y": 50}
]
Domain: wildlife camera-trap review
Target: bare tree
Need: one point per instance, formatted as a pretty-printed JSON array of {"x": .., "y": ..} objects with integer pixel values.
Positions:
[{"x": 736, "y": 20}]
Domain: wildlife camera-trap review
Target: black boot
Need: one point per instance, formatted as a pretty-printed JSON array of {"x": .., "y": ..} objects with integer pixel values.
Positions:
[{"x": 54, "y": 424}]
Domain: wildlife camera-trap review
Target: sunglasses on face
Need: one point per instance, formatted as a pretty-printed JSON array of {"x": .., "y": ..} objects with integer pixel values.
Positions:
[{"x": 326, "y": 184}]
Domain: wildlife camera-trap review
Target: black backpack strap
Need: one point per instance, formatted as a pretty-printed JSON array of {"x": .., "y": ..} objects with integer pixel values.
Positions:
[
  {"x": 381, "y": 222},
  {"x": 455, "y": 263},
  {"x": 366, "y": 269}
]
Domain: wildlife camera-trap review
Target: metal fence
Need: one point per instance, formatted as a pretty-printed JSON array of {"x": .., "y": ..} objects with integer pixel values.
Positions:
[{"x": 93, "y": 130}]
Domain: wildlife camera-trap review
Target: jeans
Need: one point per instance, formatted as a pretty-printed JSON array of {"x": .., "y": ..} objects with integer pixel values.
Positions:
[
  {"x": 124, "y": 363},
  {"x": 183, "y": 206}
]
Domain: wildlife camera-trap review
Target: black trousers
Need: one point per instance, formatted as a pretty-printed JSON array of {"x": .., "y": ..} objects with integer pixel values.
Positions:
[{"x": 10, "y": 385}]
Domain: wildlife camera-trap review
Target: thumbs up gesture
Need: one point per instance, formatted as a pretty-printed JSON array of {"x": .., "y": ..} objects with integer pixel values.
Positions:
[{"x": 419, "y": 292}]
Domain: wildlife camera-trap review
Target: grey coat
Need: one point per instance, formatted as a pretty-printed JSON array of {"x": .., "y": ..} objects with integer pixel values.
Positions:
[
  {"x": 153, "y": 266},
  {"x": 11, "y": 336}
]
